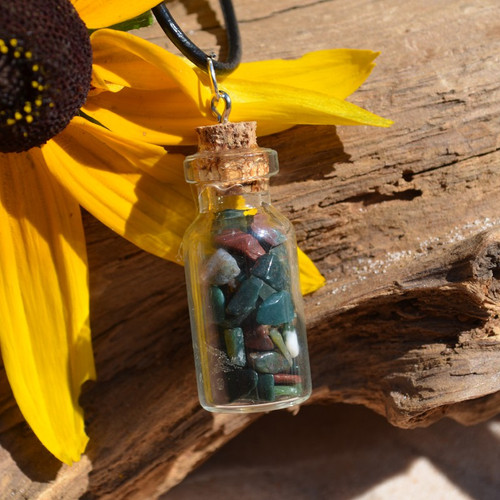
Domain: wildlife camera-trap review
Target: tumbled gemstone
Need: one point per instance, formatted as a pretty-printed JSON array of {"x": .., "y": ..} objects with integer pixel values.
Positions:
[
  {"x": 230, "y": 219},
  {"x": 286, "y": 379},
  {"x": 243, "y": 301},
  {"x": 268, "y": 362},
  {"x": 241, "y": 383},
  {"x": 266, "y": 291},
  {"x": 265, "y": 387},
  {"x": 291, "y": 340},
  {"x": 263, "y": 232},
  {"x": 280, "y": 344},
  {"x": 269, "y": 269},
  {"x": 282, "y": 255},
  {"x": 241, "y": 242},
  {"x": 289, "y": 391},
  {"x": 218, "y": 302},
  {"x": 221, "y": 268},
  {"x": 276, "y": 309},
  {"x": 259, "y": 339},
  {"x": 235, "y": 346}
]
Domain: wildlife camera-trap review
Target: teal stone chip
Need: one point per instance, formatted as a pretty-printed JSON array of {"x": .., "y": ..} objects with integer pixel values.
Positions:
[
  {"x": 276, "y": 309},
  {"x": 235, "y": 346},
  {"x": 265, "y": 387},
  {"x": 269, "y": 269},
  {"x": 230, "y": 219},
  {"x": 241, "y": 277},
  {"x": 245, "y": 298},
  {"x": 218, "y": 303},
  {"x": 266, "y": 291},
  {"x": 280, "y": 252},
  {"x": 268, "y": 362},
  {"x": 288, "y": 391}
]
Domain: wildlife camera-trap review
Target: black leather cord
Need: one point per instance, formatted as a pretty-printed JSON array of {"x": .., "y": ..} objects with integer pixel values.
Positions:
[{"x": 191, "y": 51}]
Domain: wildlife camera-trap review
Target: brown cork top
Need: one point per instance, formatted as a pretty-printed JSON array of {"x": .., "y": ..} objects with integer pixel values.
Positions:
[
  {"x": 228, "y": 152},
  {"x": 227, "y": 136}
]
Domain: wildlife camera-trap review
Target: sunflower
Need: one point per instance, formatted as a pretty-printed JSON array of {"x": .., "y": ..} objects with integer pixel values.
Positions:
[
  {"x": 45, "y": 72},
  {"x": 52, "y": 160}
]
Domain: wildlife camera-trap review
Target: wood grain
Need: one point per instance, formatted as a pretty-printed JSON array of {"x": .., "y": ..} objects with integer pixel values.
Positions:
[{"x": 403, "y": 222}]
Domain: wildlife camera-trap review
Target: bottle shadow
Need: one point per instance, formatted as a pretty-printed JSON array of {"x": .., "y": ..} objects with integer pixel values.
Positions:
[{"x": 306, "y": 152}]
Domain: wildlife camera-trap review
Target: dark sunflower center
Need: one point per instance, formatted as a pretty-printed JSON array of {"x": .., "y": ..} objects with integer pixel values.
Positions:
[{"x": 45, "y": 70}]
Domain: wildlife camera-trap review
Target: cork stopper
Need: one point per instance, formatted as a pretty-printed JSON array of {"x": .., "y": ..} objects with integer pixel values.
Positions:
[
  {"x": 228, "y": 153},
  {"x": 227, "y": 136}
]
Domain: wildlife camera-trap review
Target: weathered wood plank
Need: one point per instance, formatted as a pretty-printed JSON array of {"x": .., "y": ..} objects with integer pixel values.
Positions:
[{"x": 407, "y": 323}]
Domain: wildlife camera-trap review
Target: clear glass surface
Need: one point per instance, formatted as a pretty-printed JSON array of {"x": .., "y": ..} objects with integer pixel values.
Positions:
[{"x": 246, "y": 309}]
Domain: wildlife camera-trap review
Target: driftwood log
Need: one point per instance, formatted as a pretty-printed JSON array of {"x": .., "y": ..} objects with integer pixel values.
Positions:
[{"x": 403, "y": 222}]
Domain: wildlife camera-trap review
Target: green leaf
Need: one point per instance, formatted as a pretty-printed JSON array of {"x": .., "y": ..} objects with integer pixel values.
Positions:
[
  {"x": 90, "y": 119},
  {"x": 141, "y": 21}
]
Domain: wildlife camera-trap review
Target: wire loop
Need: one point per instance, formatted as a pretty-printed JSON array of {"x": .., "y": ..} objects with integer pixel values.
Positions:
[
  {"x": 224, "y": 116},
  {"x": 218, "y": 95}
]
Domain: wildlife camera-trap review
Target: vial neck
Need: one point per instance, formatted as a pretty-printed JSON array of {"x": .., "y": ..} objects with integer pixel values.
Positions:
[{"x": 215, "y": 197}]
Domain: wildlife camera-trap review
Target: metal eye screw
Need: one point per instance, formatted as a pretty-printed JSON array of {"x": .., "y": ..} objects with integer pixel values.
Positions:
[{"x": 218, "y": 95}]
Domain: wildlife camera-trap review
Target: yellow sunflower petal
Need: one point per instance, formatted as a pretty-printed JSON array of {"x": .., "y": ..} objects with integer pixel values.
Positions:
[
  {"x": 337, "y": 72},
  {"x": 99, "y": 13},
  {"x": 275, "y": 107},
  {"x": 310, "y": 278},
  {"x": 161, "y": 93},
  {"x": 164, "y": 97},
  {"x": 124, "y": 59},
  {"x": 163, "y": 117},
  {"x": 44, "y": 303},
  {"x": 138, "y": 190}
]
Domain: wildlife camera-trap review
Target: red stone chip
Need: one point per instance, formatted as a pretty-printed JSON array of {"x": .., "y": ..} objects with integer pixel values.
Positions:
[
  {"x": 242, "y": 242},
  {"x": 286, "y": 379}
]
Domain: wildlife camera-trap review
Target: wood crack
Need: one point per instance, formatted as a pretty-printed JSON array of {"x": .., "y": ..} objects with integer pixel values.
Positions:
[
  {"x": 284, "y": 11},
  {"x": 372, "y": 198}
]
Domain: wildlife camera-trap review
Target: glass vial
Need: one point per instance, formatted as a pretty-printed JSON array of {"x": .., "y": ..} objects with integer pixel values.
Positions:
[{"x": 240, "y": 256}]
